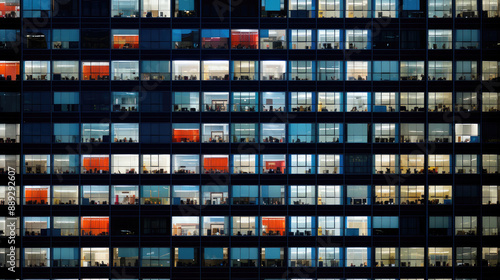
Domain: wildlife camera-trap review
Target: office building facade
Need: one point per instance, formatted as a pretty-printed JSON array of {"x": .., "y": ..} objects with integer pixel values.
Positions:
[{"x": 250, "y": 139}]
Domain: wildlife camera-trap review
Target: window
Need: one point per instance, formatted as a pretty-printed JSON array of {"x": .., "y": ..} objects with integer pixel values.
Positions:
[
  {"x": 302, "y": 101},
  {"x": 125, "y": 195},
  {"x": 10, "y": 133},
  {"x": 244, "y": 70},
  {"x": 124, "y": 164},
  {"x": 357, "y": 226},
  {"x": 273, "y": 226},
  {"x": 302, "y": 195},
  {"x": 466, "y": 101},
  {"x": 186, "y": 164},
  {"x": 152, "y": 101},
  {"x": 244, "y": 132},
  {"x": 153, "y": 39},
  {"x": 330, "y": 133},
  {"x": 467, "y": 39},
  {"x": 412, "y": 163},
  {"x": 467, "y": 164},
  {"x": 10, "y": 9},
  {"x": 215, "y": 195},
  {"x": 244, "y": 39},
  {"x": 330, "y": 9},
  {"x": 65, "y": 257},
  {"x": 465, "y": 225},
  {"x": 384, "y": 133},
  {"x": 95, "y": 71},
  {"x": 357, "y": 133},
  {"x": 155, "y": 195},
  {"x": 330, "y": 226},
  {"x": 329, "y": 39},
  {"x": 36, "y": 9},
  {"x": 412, "y": 70},
  {"x": 185, "y": 70},
  {"x": 272, "y": 195},
  {"x": 94, "y": 257},
  {"x": 4, "y": 197},
  {"x": 386, "y": 8},
  {"x": 302, "y": 70},
  {"x": 302, "y": 8},
  {"x": 439, "y": 164},
  {"x": 36, "y": 164},
  {"x": 358, "y": 257},
  {"x": 412, "y": 257},
  {"x": 440, "y": 195},
  {"x": 66, "y": 226},
  {"x": 385, "y": 71},
  {"x": 155, "y": 8},
  {"x": 96, "y": 38},
  {"x": 330, "y": 164},
  {"x": 244, "y": 164},
  {"x": 125, "y": 38},
  {"x": 274, "y": 39},
  {"x": 386, "y": 195},
  {"x": 186, "y": 195},
  {"x": 358, "y": 102},
  {"x": 491, "y": 70},
  {"x": 216, "y": 70},
  {"x": 466, "y": 8},
  {"x": 125, "y": 101},
  {"x": 185, "y": 226},
  {"x": 36, "y": 257},
  {"x": 215, "y": 226},
  {"x": 186, "y": 8},
  {"x": 358, "y": 38},
  {"x": 412, "y": 102},
  {"x": 272, "y": 8},
  {"x": 125, "y": 257},
  {"x": 125, "y": 70},
  {"x": 302, "y": 226},
  {"x": 440, "y": 70},
  {"x": 466, "y": 71},
  {"x": 330, "y": 257},
  {"x": 9, "y": 70},
  {"x": 66, "y": 102},
  {"x": 95, "y": 164},
  {"x": 440, "y": 39},
  {"x": 245, "y": 194},
  {"x": 386, "y": 256},
  {"x": 358, "y": 195},
  {"x": 386, "y": 164},
  {"x": 302, "y": 39},
  {"x": 466, "y": 133},
  {"x": 491, "y": 164},
  {"x": 65, "y": 70},
  {"x": 10, "y": 101},
  {"x": 491, "y": 7},
  {"x": 65, "y": 195},
  {"x": 34, "y": 70},
  {"x": 330, "y": 70},
  {"x": 440, "y": 256},
  {"x": 215, "y": 39},
  {"x": 186, "y": 102},
  {"x": 358, "y": 70},
  {"x": 244, "y": 226},
  {"x": 36, "y": 102},
  {"x": 155, "y": 70},
  {"x": 185, "y": 39},
  {"x": 386, "y": 225},
  {"x": 440, "y": 225},
  {"x": 386, "y": 102},
  {"x": 358, "y": 8},
  {"x": 440, "y": 9},
  {"x": 94, "y": 226},
  {"x": 490, "y": 256},
  {"x": 36, "y": 226},
  {"x": 244, "y": 257},
  {"x": 65, "y": 38},
  {"x": 216, "y": 102},
  {"x": 66, "y": 164},
  {"x": 302, "y": 164},
  {"x": 155, "y": 257},
  {"x": 155, "y": 164},
  {"x": 97, "y": 101},
  {"x": 92, "y": 195},
  {"x": 9, "y": 161},
  {"x": 36, "y": 195},
  {"x": 125, "y": 8},
  {"x": 95, "y": 132},
  {"x": 125, "y": 132},
  {"x": 272, "y": 70},
  {"x": 215, "y": 257},
  {"x": 329, "y": 195},
  {"x": 215, "y": 164},
  {"x": 491, "y": 225},
  {"x": 301, "y": 257},
  {"x": 439, "y": 132},
  {"x": 491, "y": 194},
  {"x": 273, "y": 102}
]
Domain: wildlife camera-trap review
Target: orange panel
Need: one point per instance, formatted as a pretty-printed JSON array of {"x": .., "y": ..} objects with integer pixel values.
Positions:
[
  {"x": 102, "y": 163},
  {"x": 191, "y": 135},
  {"x": 220, "y": 164}
]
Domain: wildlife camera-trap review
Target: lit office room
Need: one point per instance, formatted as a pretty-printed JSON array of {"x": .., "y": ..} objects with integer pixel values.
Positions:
[
  {"x": 186, "y": 164},
  {"x": 272, "y": 194},
  {"x": 10, "y": 133},
  {"x": 10, "y": 70},
  {"x": 94, "y": 256},
  {"x": 186, "y": 102},
  {"x": 125, "y": 101},
  {"x": 186, "y": 195},
  {"x": 244, "y": 226},
  {"x": 245, "y": 194},
  {"x": 65, "y": 70},
  {"x": 215, "y": 226},
  {"x": 215, "y": 195},
  {"x": 125, "y": 164},
  {"x": 214, "y": 164},
  {"x": 273, "y": 164},
  {"x": 273, "y": 39},
  {"x": 215, "y": 133},
  {"x": 215, "y": 101},
  {"x": 215, "y": 70},
  {"x": 357, "y": 226},
  {"x": 272, "y": 133},
  {"x": 273, "y": 226},
  {"x": 125, "y": 38},
  {"x": 94, "y": 164},
  {"x": 94, "y": 194},
  {"x": 358, "y": 195},
  {"x": 244, "y": 101},
  {"x": 37, "y": 164},
  {"x": 155, "y": 8},
  {"x": 185, "y": 226},
  {"x": 125, "y": 195},
  {"x": 215, "y": 39},
  {"x": 244, "y": 164},
  {"x": 272, "y": 70},
  {"x": 158, "y": 195},
  {"x": 94, "y": 226},
  {"x": 273, "y": 101},
  {"x": 244, "y": 70},
  {"x": 155, "y": 164},
  {"x": 243, "y": 39},
  {"x": 64, "y": 195},
  {"x": 95, "y": 70},
  {"x": 185, "y": 133},
  {"x": 186, "y": 70},
  {"x": 125, "y": 132}
]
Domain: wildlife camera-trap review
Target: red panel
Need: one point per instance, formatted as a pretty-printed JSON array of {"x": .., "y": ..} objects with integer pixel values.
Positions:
[
  {"x": 11, "y": 69},
  {"x": 186, "y": 135},
  {"x": 216, "y": 164},
  {"x": 101, "y": 163}
]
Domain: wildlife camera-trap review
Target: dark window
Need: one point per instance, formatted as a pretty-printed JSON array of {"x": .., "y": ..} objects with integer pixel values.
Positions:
[
  {"x": 65, "y": 8},
  {"x": 218, "y": 8},
  {"x": 491, "y": 39},
  {"x": 467, "y": 194},
  {"x": 386, "y": 39},
  {"x": 358, "y": 164},
  {"x": 95, "y": 8},
  {"x": 37, "y": 133},
  {"x": 95, "y": 39},
  {"x": 413, "y": 39},
  {"x": 125, "y": 226},
  {"x": 155, "y": 226},
  {"x": 491, "y": 132},
  {"x": 95, "y": 101},
  {"x": 412, "y": 225},
  {"x": 155, "y": 133},
  {"x": 245, "y": 8},
  {"x": 152, "y": 101},
  {"x": 155, "y": 39},
  {"x": 37, "y": 38},
  {"x": 10, "y": 102},
  {"x": 37, "y": 101}
]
